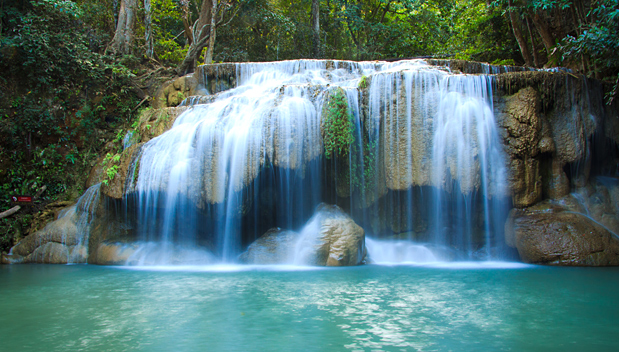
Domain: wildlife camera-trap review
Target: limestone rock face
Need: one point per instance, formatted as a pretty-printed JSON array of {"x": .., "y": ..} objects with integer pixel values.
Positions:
[
  {"x": 276, "y": 246},
  {"x": 331, "y": 238},
  {"x": 521, "y": 120},
  {"x": 112, "y": 253},
  {"x": 116, "y": 186},
  {"x": 155, "y": 122},
  {"x": 549, "y": 234},
  {"x": 174, "y": 92},
  {"x": 57, "y": 243}
]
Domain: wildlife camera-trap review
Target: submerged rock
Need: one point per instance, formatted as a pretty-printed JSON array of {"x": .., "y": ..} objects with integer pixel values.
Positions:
[
  {"x": 112, "y": 253},
  {"x": 276, "y": 246},
  {"x": 551, "y": 234}
]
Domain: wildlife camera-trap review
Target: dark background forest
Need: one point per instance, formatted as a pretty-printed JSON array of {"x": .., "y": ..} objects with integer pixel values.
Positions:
[{"x": 75, "y": 74}]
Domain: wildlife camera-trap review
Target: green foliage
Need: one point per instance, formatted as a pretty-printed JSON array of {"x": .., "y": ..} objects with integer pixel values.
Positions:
[
  {"x": 59, "y": 95},
  {"x": 111, "y": 172},
  {"x": 338, "y": 127},
  {"x": 363, "y": 82},
  {"x": 599, "y": 41}
]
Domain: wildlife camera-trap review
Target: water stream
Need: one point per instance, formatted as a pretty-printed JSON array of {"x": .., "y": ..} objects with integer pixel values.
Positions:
[{"x": 425, "y": 164}]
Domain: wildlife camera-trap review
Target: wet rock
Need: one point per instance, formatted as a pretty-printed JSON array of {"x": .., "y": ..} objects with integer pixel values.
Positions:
[
  {"x": 115, "y": 253},
  {"x": 115, "y": 188},
  {"x": 63, "y": 230},
  {"x": 519, "y": 115},
  {"x": 276, "y": 246},
  {"x": 331, "y": 238},
  {"x": 550, "y": 234},
  {"x": 525, "y": 181},
  {"x": 49, "y": 253}
]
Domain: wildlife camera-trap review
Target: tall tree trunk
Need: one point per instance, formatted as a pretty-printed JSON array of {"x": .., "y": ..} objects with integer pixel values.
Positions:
[
  {"x": 533, "y": 45},
  {"x": 316, "y": 29},
  {"x": 545, "y": 34},
  {"x": 148, "y": 35},
  {"x": 522, "y": 43},
  {"x": 213, "y": 32},
  {"x": 124, "y": 36},
  {"x": 185, "y": 13},
  {"x": 200, "y": 34}
]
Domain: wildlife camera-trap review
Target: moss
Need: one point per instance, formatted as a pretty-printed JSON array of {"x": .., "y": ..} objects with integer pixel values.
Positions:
[
  {"x": 337, "y": 125},
  {"x": 136, "y": 171}
]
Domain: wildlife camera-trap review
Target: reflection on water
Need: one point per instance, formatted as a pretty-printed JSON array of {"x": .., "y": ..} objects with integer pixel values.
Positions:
[{"x": 219, "y": 308}]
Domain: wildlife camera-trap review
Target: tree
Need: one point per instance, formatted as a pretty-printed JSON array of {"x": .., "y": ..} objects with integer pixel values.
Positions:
[
  {"x": 514, "y": 18},
  {"x": 148, "y": 29},
  {"x": 316, "y": 29},
  {"x": 213, "y": 14},
  {"x": 122, "y": 43}
]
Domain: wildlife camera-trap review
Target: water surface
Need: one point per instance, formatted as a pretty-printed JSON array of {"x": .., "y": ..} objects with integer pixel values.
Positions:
[{"x": 462, "y": 307}]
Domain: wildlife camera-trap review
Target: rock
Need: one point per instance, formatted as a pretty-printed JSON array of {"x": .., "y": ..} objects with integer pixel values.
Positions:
[
  {"x": 523, "y": 123},
  {"x": 49, "y": 253},
  {"x": 116, "y": 186},
  {"x": 519, "y": 115},
  {"x": 549, "y": 234},
  {"x": 276, "y": 246},
  {"x": 112, "y": 253},
  {"x": 556, "y": 183},
  {"x": 331, "y": 238},
  {"x": 525, "y": 181},
  {"x": 174, "y": 92},
  {"x": 63, "y": 230},
  {"x": 154, "y": 122}
]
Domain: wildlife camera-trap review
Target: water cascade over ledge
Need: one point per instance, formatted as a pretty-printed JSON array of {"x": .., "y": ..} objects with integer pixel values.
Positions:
[
  {"x": 421, "y": 158},
  {"x": 336, "y": 163}
]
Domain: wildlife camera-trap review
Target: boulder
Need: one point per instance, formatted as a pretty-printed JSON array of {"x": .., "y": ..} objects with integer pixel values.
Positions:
[
  {"x": 551, "y": 234},
  {"x": 276, "y": 246},
  {"x": 112, "y": 253},
  {"x": 63, "y": 230},
  {"x": 331, "y": 238}
]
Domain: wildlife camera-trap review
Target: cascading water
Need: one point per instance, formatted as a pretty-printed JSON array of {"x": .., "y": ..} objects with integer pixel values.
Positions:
[{"x": 425, "y": 165}]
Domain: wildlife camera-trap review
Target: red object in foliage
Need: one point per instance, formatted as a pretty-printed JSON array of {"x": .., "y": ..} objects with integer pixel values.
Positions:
[{"x": 22, "y": 199}]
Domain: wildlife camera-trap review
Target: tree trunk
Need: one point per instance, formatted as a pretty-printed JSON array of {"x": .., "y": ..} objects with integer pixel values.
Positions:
[
  {"x": 544, "y": 32},
  {"x": 533, "y": 45},
  {"x": 148, "y": 24},
  {"x": 213, "y": 32},
  {"x": 522, "y": 43},
  {"x": 316, "y": 29},
  {"x": 124, "y": 36},
  {"x": 186, "y": 22},
  {"x": 10, "y": 212},
  {"x": 200, "y": 34}
]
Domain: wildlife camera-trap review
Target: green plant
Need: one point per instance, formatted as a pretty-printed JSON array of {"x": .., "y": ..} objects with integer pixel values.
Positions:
[
  {"x": 363, "y": 83},
  {"x": 112, "y": 171},
  {"x": 338, "y": 127}
]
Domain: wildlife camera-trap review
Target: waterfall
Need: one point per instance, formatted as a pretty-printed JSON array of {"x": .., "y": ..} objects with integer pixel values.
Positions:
[{"x": 425, "y": 164}]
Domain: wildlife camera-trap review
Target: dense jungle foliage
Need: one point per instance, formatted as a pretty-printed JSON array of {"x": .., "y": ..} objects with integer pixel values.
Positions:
[{"x": 74, "y": 74}]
